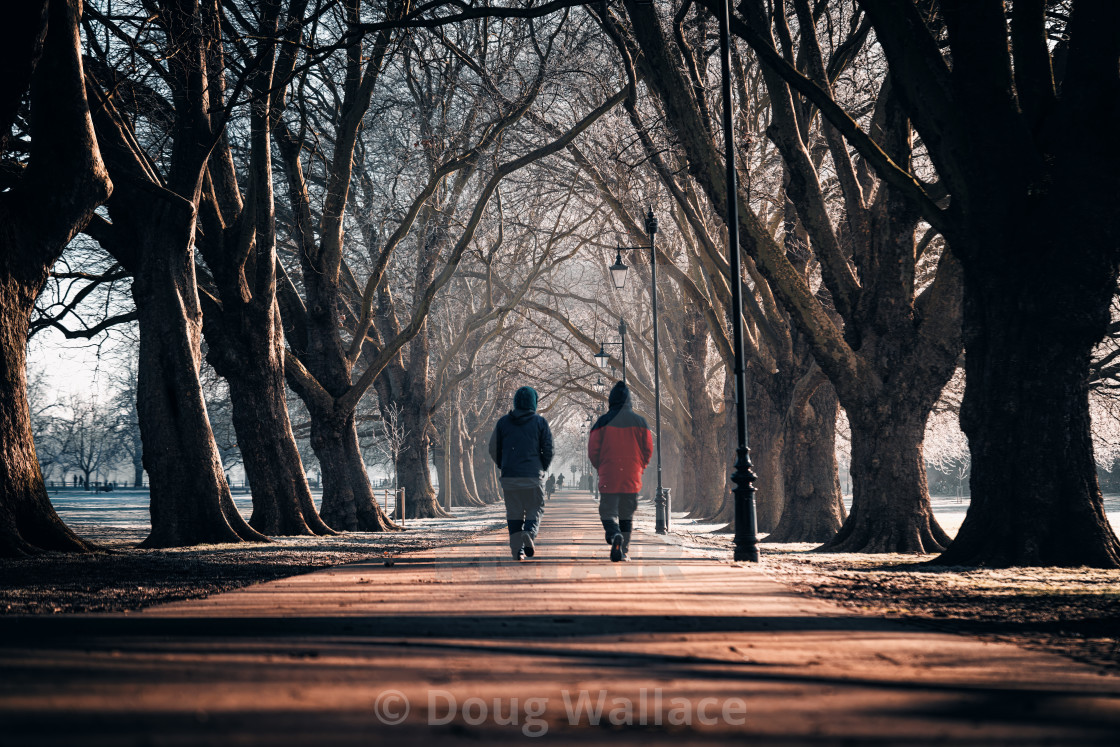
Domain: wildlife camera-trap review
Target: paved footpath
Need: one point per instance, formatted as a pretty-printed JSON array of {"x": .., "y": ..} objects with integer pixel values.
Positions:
[{"x": 465, "y": 644}]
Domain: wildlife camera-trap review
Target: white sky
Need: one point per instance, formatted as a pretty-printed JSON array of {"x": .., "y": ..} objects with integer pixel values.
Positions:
[{"x": 71, "y": 366}]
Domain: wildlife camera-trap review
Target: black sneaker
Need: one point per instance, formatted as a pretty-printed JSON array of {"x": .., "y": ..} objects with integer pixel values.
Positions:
[
  {"x": 530, "y": 550},
  {"x": 616, "y": 548}
]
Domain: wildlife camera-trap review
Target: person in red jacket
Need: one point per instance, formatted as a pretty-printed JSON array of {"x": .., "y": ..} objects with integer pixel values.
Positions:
[{"x": 619, "y": 446}]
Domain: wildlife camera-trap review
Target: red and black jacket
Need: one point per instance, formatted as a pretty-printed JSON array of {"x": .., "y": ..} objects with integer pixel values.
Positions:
[{"x": 620, "y": 447}]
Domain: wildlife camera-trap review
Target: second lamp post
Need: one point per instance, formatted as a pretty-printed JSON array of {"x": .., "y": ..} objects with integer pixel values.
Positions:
[{"x": 618, "y": 276}]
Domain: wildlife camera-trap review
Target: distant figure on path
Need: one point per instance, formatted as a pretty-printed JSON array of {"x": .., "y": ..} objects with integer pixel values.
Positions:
[
  {"x": 549, "y": 486},
  {"x": 560, "y": 481},
  {"x": 619, "y": 446},
  {"x": 521, "y": 446}
]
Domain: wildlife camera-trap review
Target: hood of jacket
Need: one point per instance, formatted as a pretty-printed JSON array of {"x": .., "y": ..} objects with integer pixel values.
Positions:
[
  {"x": 525, "y": 398},
  {"x": 619, "y": 397}
]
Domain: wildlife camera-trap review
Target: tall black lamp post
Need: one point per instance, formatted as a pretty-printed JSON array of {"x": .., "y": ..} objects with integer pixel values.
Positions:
[
  {"x": 618, "y": 276},
  {"x": 746, "y": 521}
]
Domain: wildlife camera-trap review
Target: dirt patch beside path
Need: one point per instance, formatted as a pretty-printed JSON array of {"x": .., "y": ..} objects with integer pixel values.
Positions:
[
  {"x": 126, "y": 578},
  {"x": 1070, "y": 611}
]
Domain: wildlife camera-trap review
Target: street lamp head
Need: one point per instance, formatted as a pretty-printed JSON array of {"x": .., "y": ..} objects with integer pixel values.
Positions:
[
  {"x": 601, "y": 358},
  {"x": 599, "y": 386},
  {"x": 618, "y": 271},
  {"x": 621, "y": 328},
  {"x": 651, "y": 222}
]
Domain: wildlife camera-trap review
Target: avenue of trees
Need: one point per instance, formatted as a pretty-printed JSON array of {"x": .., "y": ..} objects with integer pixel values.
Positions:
[{"x": 340, "y": 233}]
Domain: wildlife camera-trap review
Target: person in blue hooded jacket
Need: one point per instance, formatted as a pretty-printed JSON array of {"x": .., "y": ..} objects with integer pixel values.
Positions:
[{"x": 521, "y": 446}]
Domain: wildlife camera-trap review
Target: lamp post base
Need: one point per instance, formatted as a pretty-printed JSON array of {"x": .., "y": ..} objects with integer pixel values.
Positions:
[
  {"x": 662, "y": 502},
  {"x": 746, "y": 521}
]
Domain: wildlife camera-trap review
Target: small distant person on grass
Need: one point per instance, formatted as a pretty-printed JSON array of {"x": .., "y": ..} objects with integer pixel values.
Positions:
[
  {"x": 619, "y": 446},
  {"x": 549, "y": 486},
  {"x": 521, "y": 446}
]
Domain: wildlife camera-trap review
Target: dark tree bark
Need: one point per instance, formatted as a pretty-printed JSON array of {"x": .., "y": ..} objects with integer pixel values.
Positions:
[
  {"x": 1035, "y": 500},
  {"x": 242, "y": 327},
  {"x": 348, "y": 499},
  {"x": 40, "y": 212},
  {"x": 1020, "y": 131},
  {"x": 190, "y": 500},
  {"x": 814, "y": 509},
  {"x": 152, "y": 235},
  {"x": 282, "y": 502}
]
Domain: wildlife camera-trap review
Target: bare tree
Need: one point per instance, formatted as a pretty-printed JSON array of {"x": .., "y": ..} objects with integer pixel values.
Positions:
[
  {"x": 90, "y": 445},
  {"x": 52, "y": 184}
]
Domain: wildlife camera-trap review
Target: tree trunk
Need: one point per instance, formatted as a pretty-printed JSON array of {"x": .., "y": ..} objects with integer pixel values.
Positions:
[
  {"x": 890, "y": 503},
  {"x": 252, "y": 363},
  {"x": 28, "y": 522},
  {"x": 702, "y": 490},
  {"x": 464, "y": 493},
  {"x": 814, "y": 509},
  {"x": 348, "y": 500},
  {"x": 466, "y": 466},
  {"x": 282, "y": 502},
  {"x": 488, "y": 487},
  {"x": 1035, "y": 495},
  {"x": 767, "y": 444},
  {"x": 191, "y": 502},
  {"x": 54, "y": 198},
  {"x": 413, "y": 470},
  {"x": 439, "y": 453}
]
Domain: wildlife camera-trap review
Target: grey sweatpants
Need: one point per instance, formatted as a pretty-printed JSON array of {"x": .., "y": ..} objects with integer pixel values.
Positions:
[{"x": 524, "y": 508}]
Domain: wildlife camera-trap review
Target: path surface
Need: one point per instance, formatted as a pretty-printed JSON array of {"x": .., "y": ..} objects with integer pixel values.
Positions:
[{"x": 685, "y": 649}]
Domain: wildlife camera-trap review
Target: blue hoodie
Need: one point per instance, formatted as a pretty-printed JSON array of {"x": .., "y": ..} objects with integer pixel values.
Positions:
[{"x": 521, "y": 444}]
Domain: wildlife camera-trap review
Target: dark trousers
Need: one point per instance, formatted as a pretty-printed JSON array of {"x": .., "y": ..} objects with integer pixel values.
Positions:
[
  {"x": 524, "y": 508},
  {"x": 616, "y": 510}
]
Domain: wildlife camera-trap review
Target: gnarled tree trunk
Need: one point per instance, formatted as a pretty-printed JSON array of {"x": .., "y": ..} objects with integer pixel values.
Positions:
[
  {"x": 1035, "y": 500},
  {"x": 190, "y": 500},
  {"x": 53, "y": 199},
  {"x": 814, "y": 509},
  {"x": 348, "y": 500},
  {"x": 282, "y": 502},
  {"x": 28, "y": 522},
  {"x": 890, "y": 502}
]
